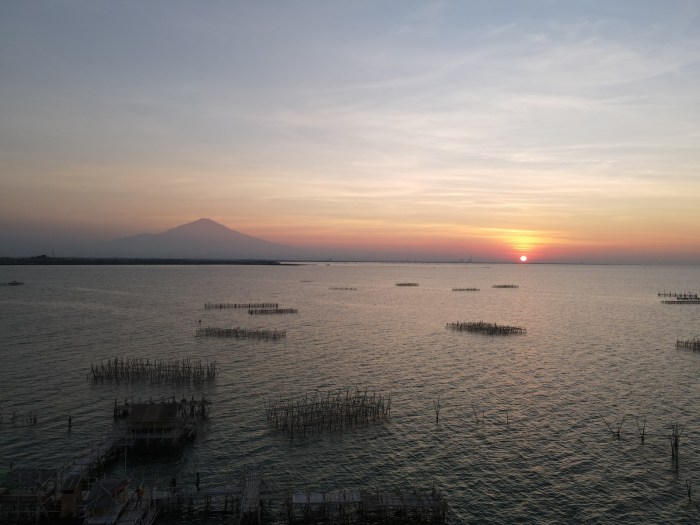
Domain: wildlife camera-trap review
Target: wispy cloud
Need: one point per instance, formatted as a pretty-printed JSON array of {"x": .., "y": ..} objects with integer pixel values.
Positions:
[{"x": 447, "y": 117}]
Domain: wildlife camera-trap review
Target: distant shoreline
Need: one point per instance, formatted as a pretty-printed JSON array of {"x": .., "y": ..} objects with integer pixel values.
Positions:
[{"x": 44, "y": 260}]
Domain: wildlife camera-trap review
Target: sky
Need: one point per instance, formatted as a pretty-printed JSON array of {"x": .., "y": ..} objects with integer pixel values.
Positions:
[{"x": 567, "y": 131}]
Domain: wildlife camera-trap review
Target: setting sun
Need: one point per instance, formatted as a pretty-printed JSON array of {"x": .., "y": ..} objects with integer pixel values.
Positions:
[{"x": 523, "y": 258}]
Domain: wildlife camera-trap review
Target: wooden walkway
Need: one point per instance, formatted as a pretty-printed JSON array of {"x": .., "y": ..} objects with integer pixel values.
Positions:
[
  {"x": 139, "y": 512},
  {"x": 250, "y": 502},
  {"x": 107, "y": 449},
  {"x": 355, "y": 506},
  {"x": 252, "y": 498}
]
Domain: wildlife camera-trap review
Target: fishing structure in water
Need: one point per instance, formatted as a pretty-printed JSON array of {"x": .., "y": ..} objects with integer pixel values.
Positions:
[
  {"x": 342, "y": 288},
  {"x": 240, "y": 333},
  {"x": 641, "y": 428},
  {"x": 406, "y": 284},
  {"x": 265, "y": 311},
  {"x": 690, "y": 344},
  {"x": 675, "y": 438},
  {"x": 465, "y": 289},
  {"x": 256, "y": 498},
  {"x": 71, "y": 493},
  {"x": 165, "y": 424},
  {"x": 219, "y": 306},
  {"x": 133, "y": 369},
  {"x": 22, "y": 419},
  {"x": 476, "y": 415},
  {"x": 367, "y": 506},
  {"x": 316, "y": 412},
  {"x": 505, "y": 286},
  {"x": 486, "y": 328},
  {"x": 57, "y": 494},
  {"x": 616, "y": 433},
  {"x": 682, "y": 296}
]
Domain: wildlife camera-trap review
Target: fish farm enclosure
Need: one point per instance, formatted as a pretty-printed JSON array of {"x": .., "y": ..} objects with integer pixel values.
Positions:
[{"x": 350, "y": 393}]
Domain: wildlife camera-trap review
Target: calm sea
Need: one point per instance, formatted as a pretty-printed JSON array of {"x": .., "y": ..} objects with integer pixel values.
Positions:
[{"x": 599, "y": 344}]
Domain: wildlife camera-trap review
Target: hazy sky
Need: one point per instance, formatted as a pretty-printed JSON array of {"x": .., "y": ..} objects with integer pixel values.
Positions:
[{"x": 564, "y": 130}]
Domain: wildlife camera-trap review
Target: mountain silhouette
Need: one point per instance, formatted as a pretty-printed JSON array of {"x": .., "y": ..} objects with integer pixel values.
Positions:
[{"x": 201, "y": 239}]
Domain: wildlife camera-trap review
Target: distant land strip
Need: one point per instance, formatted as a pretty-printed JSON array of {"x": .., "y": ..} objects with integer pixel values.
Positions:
[{"x": 45, "y": 260}]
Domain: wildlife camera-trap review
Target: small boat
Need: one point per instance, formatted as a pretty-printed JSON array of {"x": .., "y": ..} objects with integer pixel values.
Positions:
[{"x": 14, "y": 283}]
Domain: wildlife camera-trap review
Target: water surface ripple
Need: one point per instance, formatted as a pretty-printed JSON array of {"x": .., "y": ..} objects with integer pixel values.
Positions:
[{"x": 521, "y": 436}]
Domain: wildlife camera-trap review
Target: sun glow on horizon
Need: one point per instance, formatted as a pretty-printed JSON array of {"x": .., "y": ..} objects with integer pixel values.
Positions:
[
  {"x": 357, "y": 141},
  {"x": 523, "y": 258}
]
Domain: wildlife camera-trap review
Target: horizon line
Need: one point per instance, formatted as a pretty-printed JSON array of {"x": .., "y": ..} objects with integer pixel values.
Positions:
[{"x": 126, "y": 261}]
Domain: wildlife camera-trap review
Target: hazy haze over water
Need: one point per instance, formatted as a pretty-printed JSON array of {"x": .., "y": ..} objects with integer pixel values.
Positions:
[{"x": 599, "y": 343}]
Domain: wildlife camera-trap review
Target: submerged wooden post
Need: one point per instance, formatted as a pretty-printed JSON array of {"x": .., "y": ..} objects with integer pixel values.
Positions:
[
  {"x": 641, "y": 428},
  {"x": 675, "y": 439},
  {"x": 475, "y": 414},
  {"x": 615, "y": 433}
]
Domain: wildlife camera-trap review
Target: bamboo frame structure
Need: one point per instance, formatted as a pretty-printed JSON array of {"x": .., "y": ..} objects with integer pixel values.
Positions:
[
  {"x": 240, "y": 333},
  {"x": 316, "y": 412},
  {"x": 133, "y": 369},
  {"x": 219, "y": 306},
  {"x": 264, "y": 311},
  {"x": 486, "y": 328},
  {"x": 690, "y": 344}
]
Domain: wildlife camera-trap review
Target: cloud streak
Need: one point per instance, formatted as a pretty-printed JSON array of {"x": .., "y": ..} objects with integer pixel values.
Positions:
[{"x": 566, "y": 124}]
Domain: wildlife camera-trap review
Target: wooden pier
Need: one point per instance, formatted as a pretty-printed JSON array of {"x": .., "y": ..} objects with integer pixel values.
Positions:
[
  {"x": 47, "y": 494},
  {"x": 31, "y": 494},
  {"x": 53, "y": 495},
  {"x": 164, "y": 424},
  {"x": 78, "y": 491},
  {"x": 358, "y": 506},
  {"x": 139, "y": 510},
  {"x": 256, "y": 499},
  {"x": 27, "y": 494},
  {"x": 250, "y": 498},
  {"x": 486, "y": 328},
  {"x": 106, "y": 450},
  {"x": 111, "y": 502}
]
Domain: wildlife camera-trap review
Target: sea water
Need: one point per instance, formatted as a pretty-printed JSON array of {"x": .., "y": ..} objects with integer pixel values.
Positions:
[{"x": 523, "y": 430}]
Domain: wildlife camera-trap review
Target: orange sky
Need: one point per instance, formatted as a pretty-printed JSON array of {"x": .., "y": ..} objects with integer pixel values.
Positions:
[{"x": 564, "y": 132}]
